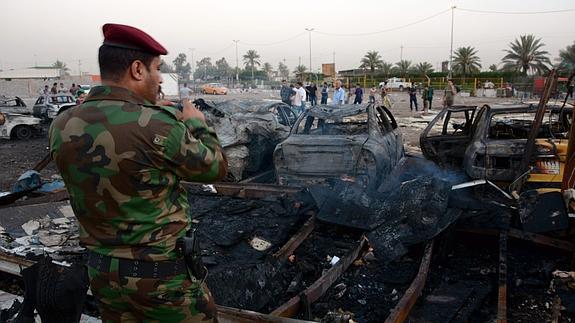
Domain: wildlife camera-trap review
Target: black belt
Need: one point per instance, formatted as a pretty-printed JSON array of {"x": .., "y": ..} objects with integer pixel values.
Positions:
[{"x": 138, "y": 268}]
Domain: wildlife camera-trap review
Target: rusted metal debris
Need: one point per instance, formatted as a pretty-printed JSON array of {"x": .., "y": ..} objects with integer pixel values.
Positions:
[
  {"x": 502, "y": 292},
  {"x": 317, "y": 289},
  {"x": 402, "y": 309}
]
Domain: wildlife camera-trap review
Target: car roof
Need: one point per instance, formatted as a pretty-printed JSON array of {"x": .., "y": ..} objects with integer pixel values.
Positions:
[{"x": 337, "y": 111}]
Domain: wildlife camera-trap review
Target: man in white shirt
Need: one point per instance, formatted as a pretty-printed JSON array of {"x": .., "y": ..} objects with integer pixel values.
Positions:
[
  {"x": 338, "y": 93},
  {"x": 185, "y": 92},
  {"x": 299, "y": 98}
]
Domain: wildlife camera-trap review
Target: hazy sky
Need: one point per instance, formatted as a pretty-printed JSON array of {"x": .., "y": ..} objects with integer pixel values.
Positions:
[{"x": 41, "y": 31}]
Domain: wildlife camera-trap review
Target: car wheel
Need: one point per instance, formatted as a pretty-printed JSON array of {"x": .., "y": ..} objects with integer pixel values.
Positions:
[
  {"x": 22, "y": 132},
  {"x": 401, "y": 88}
]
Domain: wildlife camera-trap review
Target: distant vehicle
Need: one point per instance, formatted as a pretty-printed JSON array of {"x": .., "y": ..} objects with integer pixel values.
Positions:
[
  {"x": 489, "y": 141},
  {"x": 18, "y": 126},
  {"x": 214, "y": 88},
  {"x": 85, "y": 88},
  {"x": 47, "y": 107},
  {"x": 326, "y": 142},
  {"x": 395, "y": 83}
]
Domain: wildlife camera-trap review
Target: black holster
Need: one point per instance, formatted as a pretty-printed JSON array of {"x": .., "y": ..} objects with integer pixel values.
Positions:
[{"x": 188, "y": 247}]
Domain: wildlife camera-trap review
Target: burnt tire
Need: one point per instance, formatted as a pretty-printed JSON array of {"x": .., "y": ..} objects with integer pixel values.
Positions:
[{"x": 22, "y": 132}]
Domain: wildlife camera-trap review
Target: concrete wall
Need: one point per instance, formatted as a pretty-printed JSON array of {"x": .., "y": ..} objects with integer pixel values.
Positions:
[{"x": 30, "y": 88}]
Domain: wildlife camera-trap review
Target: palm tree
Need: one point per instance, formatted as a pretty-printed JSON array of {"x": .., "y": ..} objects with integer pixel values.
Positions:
[
  {"x": 268, "y": 68},
  {"x": 299, "y": 70},
  {"x": 423, "y": 69},
  {"x": 371, "y": 60},
  {"x": 567, "y": 58},
  {"x": 493, "y": 67},
  {"x": 525, "y": 56},
  {"x": 386, "y": 68},
  {"x": 403, "y": 67},
  {"x": 283, "y": 70},
  {"x": 62, "y": 66},
  {"x": 465, "y": 60},
  {"x": 251, "y": 59}
]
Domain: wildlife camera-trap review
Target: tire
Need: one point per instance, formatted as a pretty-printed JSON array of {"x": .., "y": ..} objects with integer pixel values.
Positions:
[
  {"x": 22, "y": 132},
  {"x": 401, "y": 88}
]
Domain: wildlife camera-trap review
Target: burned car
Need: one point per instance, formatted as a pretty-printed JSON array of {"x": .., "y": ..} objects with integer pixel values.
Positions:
[
  {"x": 489, "y": 141},
  {"x": 47, "y": 107},
  {"x": 18, "y": 126},
  {"x": 360, "y": 142},
  {"x": 249, "y": 130}
]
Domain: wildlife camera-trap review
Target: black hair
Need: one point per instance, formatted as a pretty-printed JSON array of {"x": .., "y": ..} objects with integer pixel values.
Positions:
[
  {"x": 300, "y": 83},
  {"x": 114, "y": 61}
]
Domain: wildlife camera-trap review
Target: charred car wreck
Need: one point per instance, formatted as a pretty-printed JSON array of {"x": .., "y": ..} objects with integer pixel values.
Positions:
[
  {"x": 249, "y": 132},
  {"x": 356, "y": 141},
  {"x": 489, "y": 141}
]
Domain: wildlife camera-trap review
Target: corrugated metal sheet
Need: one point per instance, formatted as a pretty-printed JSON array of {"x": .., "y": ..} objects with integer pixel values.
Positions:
[{"x": 30, "y": 73}]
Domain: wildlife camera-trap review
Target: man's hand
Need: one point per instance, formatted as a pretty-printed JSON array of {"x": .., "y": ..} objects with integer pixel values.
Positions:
[{"x": 191, "y": 112}]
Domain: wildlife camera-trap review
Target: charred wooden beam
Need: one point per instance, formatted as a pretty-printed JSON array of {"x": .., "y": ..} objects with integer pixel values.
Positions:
[
  {"x": 296, "y": 240},
  {"x": 405, "y": 304},
  {"x": 527, "y": 236},
  {"x": 320, "y": 286},
  {"x": 250, "y": 190},
  {"x": 230, "y": 314},
  {"x": 502, "y": 293}
]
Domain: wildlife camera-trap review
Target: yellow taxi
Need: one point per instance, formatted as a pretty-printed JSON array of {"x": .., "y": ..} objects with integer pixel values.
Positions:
[{"x": 214, "y": 88}]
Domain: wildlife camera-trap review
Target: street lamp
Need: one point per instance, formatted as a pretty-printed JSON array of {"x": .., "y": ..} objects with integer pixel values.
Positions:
[
  {"x": 192, "y": 50},
  {"x": 309, "y": 31},
  {"x": 451, "y": 47},
  {"x": 237, "y": 66}
]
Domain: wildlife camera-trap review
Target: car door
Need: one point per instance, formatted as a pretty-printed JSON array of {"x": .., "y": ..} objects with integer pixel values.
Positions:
[{"x": 447, "y": 136}]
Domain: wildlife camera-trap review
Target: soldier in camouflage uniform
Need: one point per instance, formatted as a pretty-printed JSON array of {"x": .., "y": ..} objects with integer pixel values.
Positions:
[{"x": 122, "y": 157}]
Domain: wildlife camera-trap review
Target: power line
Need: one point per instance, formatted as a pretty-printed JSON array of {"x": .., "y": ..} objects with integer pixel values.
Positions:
[
  {"x": 516, "y": 12},
  {"x": 386, "y": 30},
  {"x": 274, "y": 43}
]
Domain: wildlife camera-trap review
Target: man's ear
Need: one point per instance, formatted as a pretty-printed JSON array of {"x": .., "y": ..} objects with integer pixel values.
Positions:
[{"x": 137, "y": 70}]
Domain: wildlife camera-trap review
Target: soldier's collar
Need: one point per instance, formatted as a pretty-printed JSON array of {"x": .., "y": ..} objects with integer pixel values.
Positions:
[{"x": 104, "y": 92}]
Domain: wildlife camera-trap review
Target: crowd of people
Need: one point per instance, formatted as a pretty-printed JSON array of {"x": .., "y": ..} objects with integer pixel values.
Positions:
[{"x": 75, "y": 90}]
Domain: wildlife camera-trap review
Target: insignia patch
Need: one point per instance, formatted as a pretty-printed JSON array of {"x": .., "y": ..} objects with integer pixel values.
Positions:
[{"x": 159, "y": 140}]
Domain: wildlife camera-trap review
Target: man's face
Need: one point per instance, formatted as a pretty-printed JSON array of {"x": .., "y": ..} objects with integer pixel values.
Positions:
[
  {"x": 337, "y": 85},
  {"x": 152, "y": 80}
]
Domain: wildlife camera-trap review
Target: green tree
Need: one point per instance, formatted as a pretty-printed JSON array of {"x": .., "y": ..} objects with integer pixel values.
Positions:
[
  {"x": 283, "y": 70},
  {"x": 64, "y": 70},
  {"x": 386, "y": 69},
  {"x": 251, "y": 59},
  {"x": 403, "y": 67},
  {"x": 268, "y": 68},
  {"x": 372, "y": 61},
  {"x": 525, "y": 56},
  {"x": 223, "y": 69},
  {"x": 465, "y": 61},
  {"x": 205, "y": 69},
  {"x": 182, "y": 67},
  {"x": 166, "y": 68},
  {"x": 299, "y": 71},
  {"x": 493, "y": 68},
  {"x": 423, "y": 69},
  {"x": 567, "y": 58}
]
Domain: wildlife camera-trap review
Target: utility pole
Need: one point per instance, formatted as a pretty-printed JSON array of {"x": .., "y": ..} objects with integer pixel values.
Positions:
[
  {"x": 80, "y": 67},
  {"x": 237, "y": 62},
  {"x": 299, "y": 61},
  {"x": 451, "y": 48},
  {"x": 401, "y": 53},
  {"x": 309, "y": 31},
  {"x": 192, "y": 52}
]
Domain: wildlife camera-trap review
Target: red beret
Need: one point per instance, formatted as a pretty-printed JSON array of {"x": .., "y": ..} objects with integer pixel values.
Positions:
[{"x": 131, "y": 38}]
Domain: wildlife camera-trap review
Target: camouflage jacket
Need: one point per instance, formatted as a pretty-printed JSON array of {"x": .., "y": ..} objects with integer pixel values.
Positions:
[{"x": 122, "y": 160}]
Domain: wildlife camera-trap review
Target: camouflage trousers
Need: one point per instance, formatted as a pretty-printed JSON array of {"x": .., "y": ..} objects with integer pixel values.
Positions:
[{"x": 171, "y": 299}]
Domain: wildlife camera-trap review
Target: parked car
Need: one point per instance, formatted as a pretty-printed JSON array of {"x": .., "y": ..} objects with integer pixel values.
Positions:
[
  {"x": 489, "y": 141},
  {"x": 395, "y": 83},
  {"x": 18, "y": 126},
  {"x": 353, "y": 141},
  {"x": 214, "y": 88},
  {"x": 85, "y": 88},
  {"x": 13, "y": 105},
  {"x": 47, "y": 107}
]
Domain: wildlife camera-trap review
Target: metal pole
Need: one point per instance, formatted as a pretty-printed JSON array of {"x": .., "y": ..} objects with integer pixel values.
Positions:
[
  {"x": 451, "y": 48},
  {"x": 309, "y": 31},
  {"x": 192, "y": 50},
  {"x": 237, "y": 66}
]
